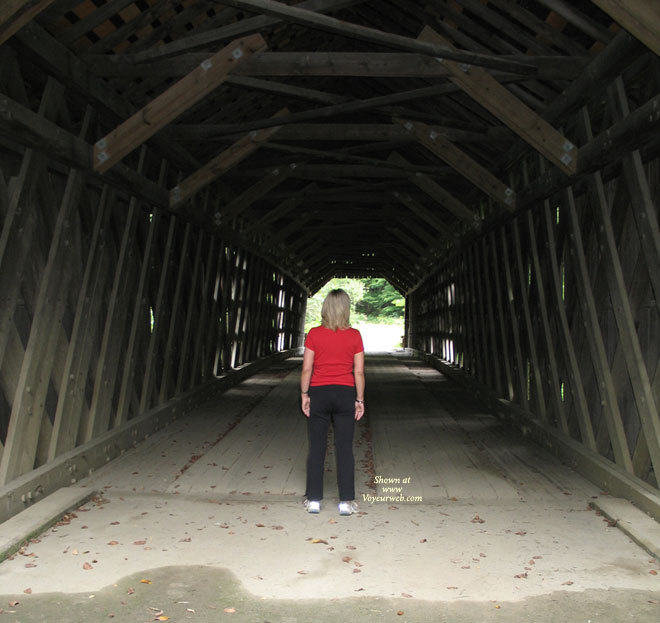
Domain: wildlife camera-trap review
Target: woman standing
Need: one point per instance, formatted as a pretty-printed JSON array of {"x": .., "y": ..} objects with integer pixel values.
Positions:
[{"x": 332, "y": 387}]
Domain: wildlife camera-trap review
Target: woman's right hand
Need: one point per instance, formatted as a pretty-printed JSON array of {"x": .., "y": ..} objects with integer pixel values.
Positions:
[
  {"x": 305, "y": 404},
  {"x": 359, "y": 410}
]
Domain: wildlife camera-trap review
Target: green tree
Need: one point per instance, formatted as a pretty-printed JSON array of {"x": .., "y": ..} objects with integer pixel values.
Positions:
[{"x": 380, "y": 300}]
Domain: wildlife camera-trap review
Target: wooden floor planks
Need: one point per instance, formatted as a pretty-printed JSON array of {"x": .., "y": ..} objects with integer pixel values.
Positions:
[{"x": 421, "y": 430}]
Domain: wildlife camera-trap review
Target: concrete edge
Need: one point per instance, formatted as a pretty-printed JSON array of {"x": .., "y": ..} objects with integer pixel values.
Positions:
[
  {"x": 592, "y": 466},
  {"x": 35, "y": 520},
  {"x": 636, "y": 525},
  {"x": 72, "y": 466}
]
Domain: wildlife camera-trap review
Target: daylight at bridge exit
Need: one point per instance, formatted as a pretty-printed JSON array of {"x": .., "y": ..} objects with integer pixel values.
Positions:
[{"x": 320, "y": 310}]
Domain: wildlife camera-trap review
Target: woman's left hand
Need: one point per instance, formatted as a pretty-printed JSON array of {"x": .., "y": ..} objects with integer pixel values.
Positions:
[{"x": 359, "y": 409}]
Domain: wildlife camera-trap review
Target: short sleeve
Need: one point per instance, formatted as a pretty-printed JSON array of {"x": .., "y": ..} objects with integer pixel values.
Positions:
[
  {"x": 359, "y": 346},
  {"x": 310, "y": 342}
]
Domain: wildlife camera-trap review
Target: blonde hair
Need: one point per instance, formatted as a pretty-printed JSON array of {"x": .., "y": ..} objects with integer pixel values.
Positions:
[{"x": 336, "y": 310}]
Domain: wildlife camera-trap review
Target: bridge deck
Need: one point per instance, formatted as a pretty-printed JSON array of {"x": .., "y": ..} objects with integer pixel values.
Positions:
[{"x": 491, "y": 519}]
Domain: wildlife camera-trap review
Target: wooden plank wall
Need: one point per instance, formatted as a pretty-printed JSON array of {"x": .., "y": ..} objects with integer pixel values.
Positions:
[
  {"x": 111, "y": 307},
  {"x": 558, "y": 309}
]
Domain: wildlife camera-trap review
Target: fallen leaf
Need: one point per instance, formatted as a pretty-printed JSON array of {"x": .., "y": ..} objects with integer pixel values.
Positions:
[
  {"x": 130, "y": 591},
  {"x": 13, "y": 604},
  {"x": 652, "y": 571},
  {"x": 29, "y": 565},
  {"x": 186, "y": 540},
  {"x": 260, "y": 525},
  {"x": 483, "y": 555},
  {"x": 567, "y": 583},
  {"x": 478, "y": 519},
  {"x": 190, "y": 610},
  {"x": 87, "y": 566},
  {"x": 230, "y": 610},
  {"x": 139, "y": 542},
  {"x": 332, "y": 521},
  {"x": 522, "y": 576},
  {"x": 162, "y": 617},
  {"x": 452, "y": 588},
  {"x": 521, "y": 533},
  {"x": 400, "y": 613},
  {"x": 407, "y": 595},
  {"x": 320, "y": 541},
  {"x": 357, "y": 570},
  {"x": 351, "y": 547},
  {"x": 357, "y": 590},
  {"x": 301, "y": 572},
  {"x": 144, "y": 581},
  {"x": 422, "y": 540},
  {"x": 278, "y": 527},
  {"x": 28, "y": 591},
  {"x": 113, "y": 543},
  {"x": 346, "y": 559}
]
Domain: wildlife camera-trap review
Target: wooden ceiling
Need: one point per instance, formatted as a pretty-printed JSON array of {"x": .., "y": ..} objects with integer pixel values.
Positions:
[{"x": 342, "y": 137}]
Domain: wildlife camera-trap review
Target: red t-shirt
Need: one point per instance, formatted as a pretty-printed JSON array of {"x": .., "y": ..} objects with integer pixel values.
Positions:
[{"x": 333, "y": 355}]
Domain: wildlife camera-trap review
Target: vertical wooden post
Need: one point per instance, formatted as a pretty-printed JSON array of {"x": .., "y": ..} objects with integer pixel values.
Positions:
[
  {"x": 168, "y": 356},
  {"x": 160, "y": 310},
  {"x": 537, "y": 377},
  {"x": 513, "y": 318},
  {"x": 191, "y": 314}
]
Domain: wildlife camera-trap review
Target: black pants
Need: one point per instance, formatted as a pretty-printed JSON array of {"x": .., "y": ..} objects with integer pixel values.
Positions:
[{"x": 336, "y": 402}]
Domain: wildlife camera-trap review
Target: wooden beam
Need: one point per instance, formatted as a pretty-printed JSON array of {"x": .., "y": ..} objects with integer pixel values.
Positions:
[
  {"x": 169, "y": 105},
  {"x": 309, "y": 132},
  {"x": 281, "y": 209},
  {"x": 219, "y": 165},
  {"x": 216, "y": 130},
  {"x": 14, "y": 14},
  {"x": 287, "y": 90},
  {"x": 424, "y": 213},
  {"x": 254, "y": 193},
  {"x": 362, "y": 33},
  {"x": 494, "y": 97},
  {"x": 481, "y": 177},
  {"x": 641, "y": 18},
  {"x": 338, "y": 64},
  {"x": 444, "y": 198},
  {"x": 340, "y": 156}
]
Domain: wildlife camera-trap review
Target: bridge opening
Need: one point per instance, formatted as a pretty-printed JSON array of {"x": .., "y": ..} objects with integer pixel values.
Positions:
[{"x": 377, "y": 311}]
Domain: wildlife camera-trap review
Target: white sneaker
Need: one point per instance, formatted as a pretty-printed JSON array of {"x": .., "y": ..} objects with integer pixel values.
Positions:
[
  {"x": 347, "y": 508},
  {"x": 312, "y": 506}
]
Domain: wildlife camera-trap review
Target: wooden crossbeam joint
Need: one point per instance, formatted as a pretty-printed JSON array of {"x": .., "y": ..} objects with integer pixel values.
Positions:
[{"x": 173, "y": 102}]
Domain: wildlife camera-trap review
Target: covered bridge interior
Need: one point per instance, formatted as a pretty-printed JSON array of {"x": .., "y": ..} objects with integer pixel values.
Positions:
[{"x": 179, "y": 175}]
